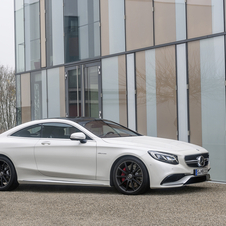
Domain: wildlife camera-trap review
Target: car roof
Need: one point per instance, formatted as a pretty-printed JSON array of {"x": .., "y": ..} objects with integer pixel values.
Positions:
[{"x": 80, "y": 120}]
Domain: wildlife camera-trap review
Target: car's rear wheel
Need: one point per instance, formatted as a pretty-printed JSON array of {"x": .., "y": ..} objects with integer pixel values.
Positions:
[
  {"x": 130, "y": 176},
  {"x": 8, "y": 178}
]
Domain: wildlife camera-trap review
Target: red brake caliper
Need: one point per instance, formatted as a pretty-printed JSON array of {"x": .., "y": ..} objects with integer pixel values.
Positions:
[{"x": 123, "y": 174}]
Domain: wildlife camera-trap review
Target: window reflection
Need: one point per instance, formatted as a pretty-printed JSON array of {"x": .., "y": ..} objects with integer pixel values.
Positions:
[
  {"x": 170, "y": 20},
  {"x": 19, "y": 29},
  {"x": 81, "y": 33},
  {"x": 18, "y": 100},
  {"x": 204, "y": 17},
  {"x": 114, "y": 89},
  {"x": 38, "y": 95},
  {"x": 32, "y": 34},
  {"x": 156, "y": 92},
  {"x": 139, "y": 21},
  {"x": 206, "y": 64},
  {"x": 54, "y": 32},
  {"x": 112, "y": 26}
]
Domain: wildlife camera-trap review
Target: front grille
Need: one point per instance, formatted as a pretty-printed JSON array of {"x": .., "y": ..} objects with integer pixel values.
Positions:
[{"x": 193, "y": 160}]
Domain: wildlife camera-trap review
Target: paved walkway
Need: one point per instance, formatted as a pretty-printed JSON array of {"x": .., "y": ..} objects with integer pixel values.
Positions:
[{"x": 200, "y": 204}]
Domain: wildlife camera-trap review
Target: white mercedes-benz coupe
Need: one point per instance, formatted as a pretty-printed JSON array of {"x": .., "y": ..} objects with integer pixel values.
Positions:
[{"x": 96, "y": 152}]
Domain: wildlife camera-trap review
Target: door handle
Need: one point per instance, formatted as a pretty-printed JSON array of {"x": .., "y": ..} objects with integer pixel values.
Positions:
[{"x": 45, "y": 143}]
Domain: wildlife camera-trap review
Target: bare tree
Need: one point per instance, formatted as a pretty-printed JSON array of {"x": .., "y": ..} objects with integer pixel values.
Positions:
[{"x": 7, "y": 98}]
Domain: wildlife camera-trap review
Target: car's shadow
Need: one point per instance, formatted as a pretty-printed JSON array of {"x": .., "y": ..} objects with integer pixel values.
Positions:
[{"x": 109, "y": 190}]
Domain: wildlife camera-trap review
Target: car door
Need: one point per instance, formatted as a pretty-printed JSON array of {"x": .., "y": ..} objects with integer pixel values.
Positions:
[
  {"x": 21, "y": 144},
  {"x": 58, "y": 156}
]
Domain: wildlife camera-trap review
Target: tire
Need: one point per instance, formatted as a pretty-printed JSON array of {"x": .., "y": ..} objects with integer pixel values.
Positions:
[
  {"x": 8, "y": 177},
  {"x": 130, "y": 176}
]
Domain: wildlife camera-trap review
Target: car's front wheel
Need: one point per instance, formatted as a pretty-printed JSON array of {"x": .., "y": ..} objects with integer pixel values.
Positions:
[
  {"x": 8, "y": 178},
  {"x": 130, "y": 176}
]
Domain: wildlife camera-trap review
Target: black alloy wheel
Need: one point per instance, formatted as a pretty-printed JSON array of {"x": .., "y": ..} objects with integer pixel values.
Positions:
[
  {"x": 130, "y": 176},
  {"x": 8, "y": 179}
]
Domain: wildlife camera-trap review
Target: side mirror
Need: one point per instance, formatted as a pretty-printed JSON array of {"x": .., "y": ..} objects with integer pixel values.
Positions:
[{"x": 78, "y": 136}]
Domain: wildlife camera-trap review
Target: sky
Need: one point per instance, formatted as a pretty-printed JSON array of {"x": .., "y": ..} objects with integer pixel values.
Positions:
[{"x": 7, "y": 51}]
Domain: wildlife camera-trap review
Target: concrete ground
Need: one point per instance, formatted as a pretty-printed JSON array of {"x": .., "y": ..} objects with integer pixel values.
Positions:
[{"x": 200, "y": 204}]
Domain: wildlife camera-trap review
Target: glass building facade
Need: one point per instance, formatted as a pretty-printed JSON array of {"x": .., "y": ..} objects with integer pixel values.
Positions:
[{"x": 156, "y": 66}]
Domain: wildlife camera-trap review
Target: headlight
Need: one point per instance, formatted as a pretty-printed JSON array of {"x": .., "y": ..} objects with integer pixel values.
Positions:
[{"x": 164, "y": 157}]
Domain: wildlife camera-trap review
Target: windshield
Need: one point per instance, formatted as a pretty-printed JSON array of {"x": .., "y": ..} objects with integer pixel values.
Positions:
[{"x": 108, "y": 129}]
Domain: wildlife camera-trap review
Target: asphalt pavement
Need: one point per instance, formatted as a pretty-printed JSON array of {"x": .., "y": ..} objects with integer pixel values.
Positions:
[{"x": 200, "y": 204}]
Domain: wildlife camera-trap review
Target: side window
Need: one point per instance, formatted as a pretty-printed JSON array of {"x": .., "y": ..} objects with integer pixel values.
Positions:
[
  {"x": 58, "y": 130},
  {"x": 31, "y": 131}
]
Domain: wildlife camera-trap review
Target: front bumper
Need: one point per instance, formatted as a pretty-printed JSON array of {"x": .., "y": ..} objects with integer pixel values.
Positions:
[
  {"x": 164, "y": 175},
  {"x": 182, "y": 179}
]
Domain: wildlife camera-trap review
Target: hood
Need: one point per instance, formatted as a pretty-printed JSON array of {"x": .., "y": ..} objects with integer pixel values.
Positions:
[{"x": 156, "y": 144}]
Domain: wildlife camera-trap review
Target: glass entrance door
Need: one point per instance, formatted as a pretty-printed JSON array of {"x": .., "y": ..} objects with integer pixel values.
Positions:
[{"x": 83, "y": 90}]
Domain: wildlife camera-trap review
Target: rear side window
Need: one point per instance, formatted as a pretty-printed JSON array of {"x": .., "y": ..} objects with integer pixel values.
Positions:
[{"x": 31, "y": 131}]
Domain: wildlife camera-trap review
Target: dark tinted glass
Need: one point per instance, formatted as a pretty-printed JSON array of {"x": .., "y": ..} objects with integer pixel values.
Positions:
[
  {"x": 31, "y": 131},
  {"x": 81, "y": 29},
  {"x": 58, "y": 130}
]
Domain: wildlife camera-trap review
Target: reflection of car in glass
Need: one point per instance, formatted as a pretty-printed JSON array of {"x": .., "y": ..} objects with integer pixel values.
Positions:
[{"x": 96, "y": 152}]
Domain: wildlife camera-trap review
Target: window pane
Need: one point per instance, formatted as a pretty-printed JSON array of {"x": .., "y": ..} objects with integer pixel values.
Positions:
[
  {"x": 225, "y": 15},
  {"x": 139, "y": 21},
  {"x": 56, "y": 92},
  {"x": 53, "y": 93},
  {"x": 18, "y": 100},
  {"x": 81, "y": 30},
  {"x": 54, "y": 32},
  {"x": 156, "y": 93},
  {"x": 112, "y": 26},
  {"x": 58, "y": 130},
  {"x": 146, "y": 93},
  {"x": 180, "y": 20},
  {"x": 18, "y": 4},
  {"x": 19, "y": 29},
  {"x": 38, "y": 95},
  {"x": 169, "y": 21},
  {"x": 182, "y": 93},
  {"x": 25, "y": 98},
  {"x": 131, "y": 91},
  {"x": 32, "y": 131},
  {"x": 206, "y": 64},
  {"x": 204, "y": 17},
  {"x": 91, "y": 92},
  {"x": 74, "y": 92},
  {"x": 32, "y": 34},
  {"x": 114, "y": 89}
]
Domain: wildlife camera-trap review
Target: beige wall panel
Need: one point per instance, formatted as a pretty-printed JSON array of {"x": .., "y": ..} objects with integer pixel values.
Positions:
[
  {"x": 139, "y": 24},
  {"x": 62, "y": 92},
  {"x": 195, "y": 93},
  {"x": 26, "y": 114},
  {"x": 199, "y": 18},
  {"x": 166, "y": 92},
  {"x": 165, "y": 22},
  {"x": 122, "y": 90},
  {"x": 105, "y": 49},
  {"x": 43, "y": 33},
  {"x": 25, "y": 97},
  {"x": 199, "y": 2},
  {"x": 141, "y": 93}
]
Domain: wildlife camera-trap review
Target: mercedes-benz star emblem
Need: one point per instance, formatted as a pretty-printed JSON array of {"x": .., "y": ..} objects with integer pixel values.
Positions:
[{"x": 201, "y": 161}]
